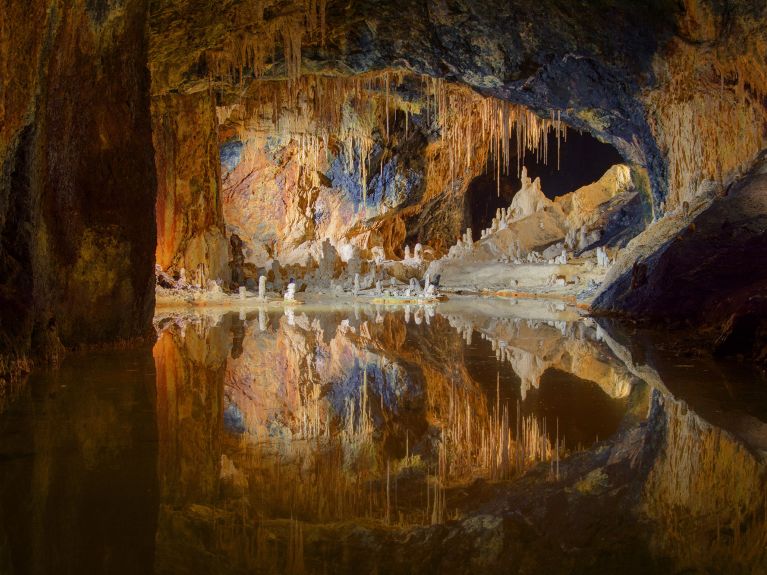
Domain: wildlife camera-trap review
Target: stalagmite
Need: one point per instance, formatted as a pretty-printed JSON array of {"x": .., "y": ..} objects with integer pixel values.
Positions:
[
  {"x": 290, "y": 294},
  {"x": 262, "y": 287},
  {"x": 356, "y": 288},
  {"x": 603, "y": 260}
]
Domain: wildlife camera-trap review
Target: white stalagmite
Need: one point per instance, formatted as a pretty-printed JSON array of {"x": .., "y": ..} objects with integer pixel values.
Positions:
[
  {"x": 356, "y": 288},
  {"x": 262, "y": 287},
  {"x": 290, "y": 295},
  {"x": 603, "y": 260}
]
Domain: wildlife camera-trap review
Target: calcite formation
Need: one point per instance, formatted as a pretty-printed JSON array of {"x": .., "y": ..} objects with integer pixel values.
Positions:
[{"x": 356, "y": 122}]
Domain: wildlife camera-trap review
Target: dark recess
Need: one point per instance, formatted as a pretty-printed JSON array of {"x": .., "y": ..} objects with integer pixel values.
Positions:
[{"x": 582, "y": 160}]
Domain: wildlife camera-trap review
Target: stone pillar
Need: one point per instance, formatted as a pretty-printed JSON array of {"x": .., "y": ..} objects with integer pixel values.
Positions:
[{"x": 262, "y": 287}]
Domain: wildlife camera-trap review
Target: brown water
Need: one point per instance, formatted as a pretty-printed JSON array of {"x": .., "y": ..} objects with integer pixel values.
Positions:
[{"x": 343, "y": 439}]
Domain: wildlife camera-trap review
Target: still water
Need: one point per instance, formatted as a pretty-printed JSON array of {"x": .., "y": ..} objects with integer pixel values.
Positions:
[{"x": 473, "y": 437}]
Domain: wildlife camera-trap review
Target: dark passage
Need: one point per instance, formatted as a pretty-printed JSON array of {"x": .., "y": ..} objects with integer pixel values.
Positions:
[
  {"x": 583, "y": 160},
  {"x": 584, "y": 411}
]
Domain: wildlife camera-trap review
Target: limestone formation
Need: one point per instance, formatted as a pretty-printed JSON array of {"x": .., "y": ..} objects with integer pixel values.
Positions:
[
  {"x": 290, "y": 293},
  {"x": 237, "y": 261},
  {"x": 262, "y": 287},
  {"x": 603, "y": 260}
]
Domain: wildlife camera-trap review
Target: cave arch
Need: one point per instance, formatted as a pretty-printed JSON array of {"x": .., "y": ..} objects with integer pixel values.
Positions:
[{"x": 583, "y": 159}]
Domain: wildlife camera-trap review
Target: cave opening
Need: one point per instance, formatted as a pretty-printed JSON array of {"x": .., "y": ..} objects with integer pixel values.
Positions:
[{"x": 576, "y": 160}]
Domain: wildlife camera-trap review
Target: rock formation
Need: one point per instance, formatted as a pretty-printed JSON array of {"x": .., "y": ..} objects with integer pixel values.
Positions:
[{"x": 677, "y": 88}]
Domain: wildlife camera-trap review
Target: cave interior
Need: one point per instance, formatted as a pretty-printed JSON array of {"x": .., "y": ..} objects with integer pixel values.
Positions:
[{"x": 530, "y": 213}]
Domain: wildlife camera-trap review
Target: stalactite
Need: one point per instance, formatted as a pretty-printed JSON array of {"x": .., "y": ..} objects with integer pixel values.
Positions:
[
  {"x": 709, "y": 115},
  {"x": 319, "y": 111},
  {"x": 477, "y": 126},
  {"x": 249, "y": 47}
]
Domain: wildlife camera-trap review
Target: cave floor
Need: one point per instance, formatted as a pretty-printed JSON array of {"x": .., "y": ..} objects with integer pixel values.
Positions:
[{"x": 479, "y": 434}]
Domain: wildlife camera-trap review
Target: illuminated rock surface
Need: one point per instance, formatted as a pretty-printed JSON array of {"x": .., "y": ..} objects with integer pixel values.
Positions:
[
  {"x": 340, "y": 439},
  {"x": 382, "y": 241}
]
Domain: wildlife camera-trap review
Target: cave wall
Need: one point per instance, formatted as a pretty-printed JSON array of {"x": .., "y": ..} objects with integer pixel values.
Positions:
[
  {"x": 677, "y": 87},
  {"x": 190, "y": 220},
  {"x": 591, "y": 63},
  {"x": 701, "y": 266},
  {"x": 77, "y": 186},
  {"x": 285, "y": 192}
]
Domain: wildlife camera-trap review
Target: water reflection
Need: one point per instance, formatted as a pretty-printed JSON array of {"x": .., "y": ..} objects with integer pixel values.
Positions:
[
  {"x": 460, "y": 438},
  {"x": 368, "y": 414}
]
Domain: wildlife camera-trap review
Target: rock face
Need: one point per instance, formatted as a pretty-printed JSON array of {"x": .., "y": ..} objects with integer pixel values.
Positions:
[
  {"x": 190, "y": 224},
  {"x": 77, "y": 186},
  {"x": 698, "y": 266},
  {"x": 364, "y": 179}
]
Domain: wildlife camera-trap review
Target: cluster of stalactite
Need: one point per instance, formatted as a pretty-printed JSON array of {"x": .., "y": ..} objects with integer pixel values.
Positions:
[
  {"x": 472, "y": 124},
  {"x": 323, "y": 113},
  {"x": 709, "y": 114},
  {"x": 250, "y": 46}
]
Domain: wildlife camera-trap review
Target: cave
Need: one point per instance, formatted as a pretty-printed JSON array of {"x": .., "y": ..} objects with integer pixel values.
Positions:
[
  {"x": 319, "y": 286},
  {"x": 580, "y": 160}
]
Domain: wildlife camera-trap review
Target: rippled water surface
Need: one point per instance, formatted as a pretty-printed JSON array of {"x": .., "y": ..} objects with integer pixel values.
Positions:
[{"x": 475, "y": 437}]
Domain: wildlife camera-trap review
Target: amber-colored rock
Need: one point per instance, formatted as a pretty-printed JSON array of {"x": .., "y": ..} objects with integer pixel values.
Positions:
[
  {"x": 78, "y": 181},
  {"x": 190, "y": 224}
]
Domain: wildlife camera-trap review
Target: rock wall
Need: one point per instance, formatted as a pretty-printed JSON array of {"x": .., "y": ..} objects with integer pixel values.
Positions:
[
  {"x": 373, "y": 171},
  {"x": 190, "y": 222},
  {"x": 698, "y": 264},
  {"x": 77, "y": 186}
]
